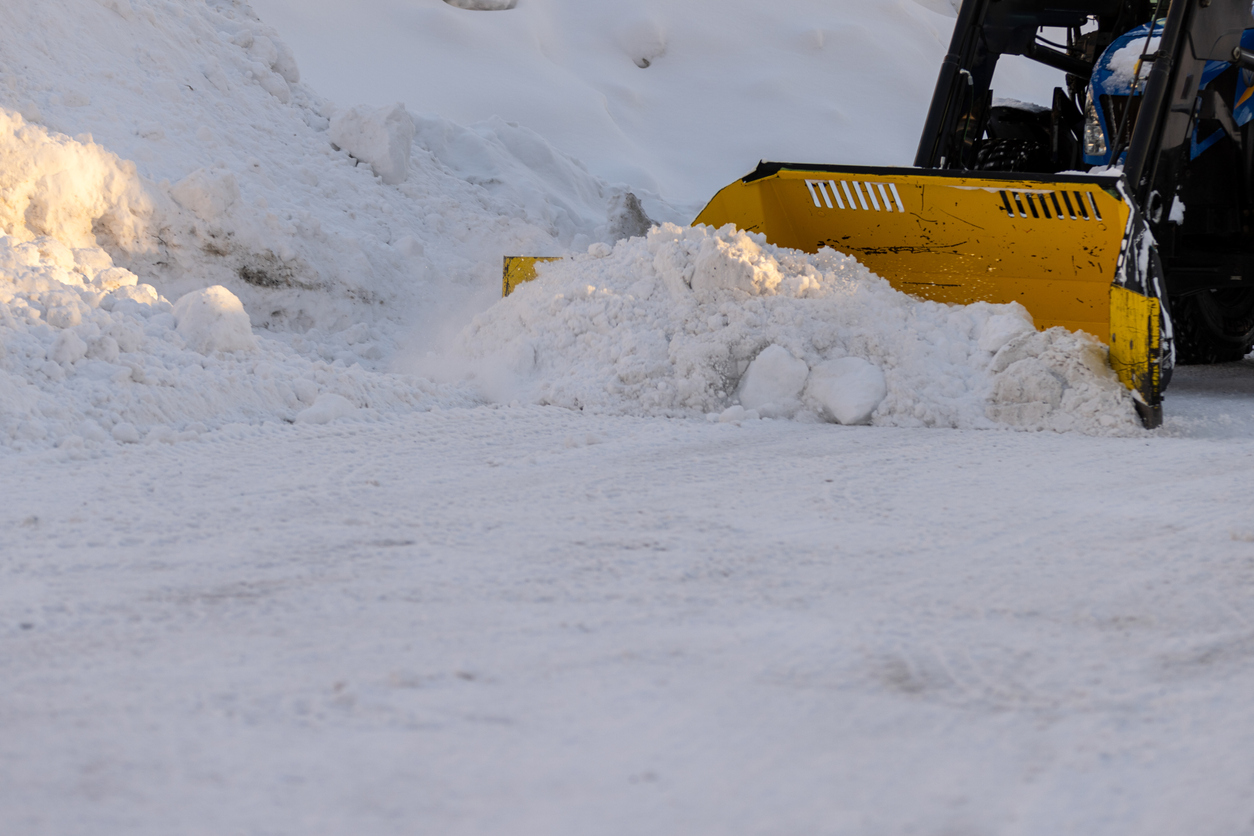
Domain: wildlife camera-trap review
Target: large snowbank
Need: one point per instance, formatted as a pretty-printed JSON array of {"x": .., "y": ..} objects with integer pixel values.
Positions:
[
  {"x": 673, "y": 97},
  {"x": 672, "y": 324},
  {"x": 158, "y": 149},
  {"x": 224, "y": 166}
]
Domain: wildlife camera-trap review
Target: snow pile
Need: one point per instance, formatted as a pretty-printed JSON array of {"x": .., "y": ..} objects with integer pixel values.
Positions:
[
  {"x": 674, "y": 98},
  {"x": 686, "y": 322},
  {"x": 342, "y": 230},
  {"x": 205, "y": 172},
  {"x": 214, "y": 177},
  {"x": 69, "y": 190},
  {"x": 90, "y": 356}
]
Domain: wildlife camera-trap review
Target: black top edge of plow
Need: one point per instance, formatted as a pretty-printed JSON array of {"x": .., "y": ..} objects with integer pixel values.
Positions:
[{"x": 766, "y": 169}]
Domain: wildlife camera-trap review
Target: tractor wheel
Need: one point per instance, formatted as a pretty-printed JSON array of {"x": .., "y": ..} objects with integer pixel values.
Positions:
[{"x": 1215, "y": 326}]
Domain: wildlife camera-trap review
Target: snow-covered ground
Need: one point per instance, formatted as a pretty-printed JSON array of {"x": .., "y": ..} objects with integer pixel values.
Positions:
[
  {"x": 530, "y": 620},
  {"x": 306, "y": 532}
]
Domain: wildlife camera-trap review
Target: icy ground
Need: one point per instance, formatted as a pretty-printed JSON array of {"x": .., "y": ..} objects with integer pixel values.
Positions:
[
  {"x": 531, "y": 621},
  {"x": 307, "y": 532}
]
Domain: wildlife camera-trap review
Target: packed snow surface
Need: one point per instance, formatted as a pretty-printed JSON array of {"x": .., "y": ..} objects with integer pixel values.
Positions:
[{"x": 534, "y": 621}]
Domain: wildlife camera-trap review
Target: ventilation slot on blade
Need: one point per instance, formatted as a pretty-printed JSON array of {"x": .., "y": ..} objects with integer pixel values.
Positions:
[{"x": 1046, "y": 205}]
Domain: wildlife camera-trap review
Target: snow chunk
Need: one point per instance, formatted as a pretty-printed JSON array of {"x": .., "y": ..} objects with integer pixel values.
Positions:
[
  {"x": 1122, "y": 63},
  {"x": 327, "y": 408},
  {"x": 125, "y": 433},
  {"x": 626, "y": 218},
  {"x": 206, "y": 194},
  {"x": 773, "y": 382},
  {"x": 1056, "y": 380},
  {"x": 382, "y": 137},
  {"x": 1177, "y": 211},
  {"x": 68, "y": 348},
  {"x": 847, "y": 390},
  {"x": 213, "y": 319},
  {"x": 1002, "y": 328}
]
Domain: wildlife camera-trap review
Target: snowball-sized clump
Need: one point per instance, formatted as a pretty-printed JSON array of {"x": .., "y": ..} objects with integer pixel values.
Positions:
[
  {"x": 773, "y": 382},
  {"x": 382, "y": 137},
  {"x": 213, "y": 319},
  {"x": 68, "y": 348},
  {"x": 327, "y": 408},
  {"x": 847, "y": 390}
]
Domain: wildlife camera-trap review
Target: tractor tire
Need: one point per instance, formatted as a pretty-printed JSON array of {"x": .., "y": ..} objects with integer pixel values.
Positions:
[
  {"x": 1215, "y": 326},
  {"x": 1013, "y": 155}
]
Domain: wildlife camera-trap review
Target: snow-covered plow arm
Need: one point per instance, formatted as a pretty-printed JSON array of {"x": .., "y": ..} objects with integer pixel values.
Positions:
[{"x": 1072, "y": 249}]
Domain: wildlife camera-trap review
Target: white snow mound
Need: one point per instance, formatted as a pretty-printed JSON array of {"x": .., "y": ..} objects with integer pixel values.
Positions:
[
  {"x": 89, "y": 357},
  {"x": 214, "y": 320},
  {"x": 68, "y": 189},
  {"x": 688, "y": 321}
]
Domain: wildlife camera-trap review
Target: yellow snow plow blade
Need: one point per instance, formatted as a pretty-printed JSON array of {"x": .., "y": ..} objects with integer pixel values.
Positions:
[
  {"x": 1051, "y": 243},
  {"x": 1069, "y": 248}
]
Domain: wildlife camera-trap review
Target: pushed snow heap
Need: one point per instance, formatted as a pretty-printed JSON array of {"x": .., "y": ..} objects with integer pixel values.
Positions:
[
  {"x": 66, "y": 189},
  {"x": 697, "y": 321},
  {"x": 89, "y": 356}
]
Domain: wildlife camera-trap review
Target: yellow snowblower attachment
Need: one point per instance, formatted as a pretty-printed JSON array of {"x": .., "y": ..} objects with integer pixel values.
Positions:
[{"x": 1063, "y": 246}]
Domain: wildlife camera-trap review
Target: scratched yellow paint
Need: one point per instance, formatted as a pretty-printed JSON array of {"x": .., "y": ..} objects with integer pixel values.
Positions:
[{"x": 1136, "y": 329}]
